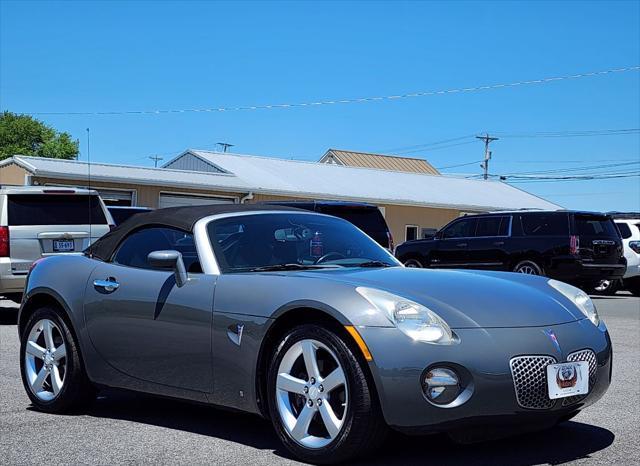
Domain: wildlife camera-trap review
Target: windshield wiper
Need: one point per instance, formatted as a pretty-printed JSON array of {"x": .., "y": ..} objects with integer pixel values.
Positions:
[
  {"x": 373, "y": 264},
  {"x": 291, "y": 266}
]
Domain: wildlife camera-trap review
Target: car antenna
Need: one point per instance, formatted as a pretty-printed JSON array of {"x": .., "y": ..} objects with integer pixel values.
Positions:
[{"x": 89, "y": 196}]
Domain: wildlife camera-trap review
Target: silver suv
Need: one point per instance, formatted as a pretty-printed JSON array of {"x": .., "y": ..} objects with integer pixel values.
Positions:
[{"x": 40, "y": 221}]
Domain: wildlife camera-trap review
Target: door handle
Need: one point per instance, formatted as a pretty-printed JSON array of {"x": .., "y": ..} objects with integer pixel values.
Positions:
[
  {"x": 109, "y": 285},
  {"x": 499, "y": 243},
  {"x": 462, "y": 245}
]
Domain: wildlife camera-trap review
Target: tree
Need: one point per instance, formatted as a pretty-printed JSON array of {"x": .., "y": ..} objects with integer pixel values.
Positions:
[{"x": 24, "y": 135}]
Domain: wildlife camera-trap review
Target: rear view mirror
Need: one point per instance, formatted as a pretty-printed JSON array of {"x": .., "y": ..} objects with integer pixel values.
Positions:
[{"x": 171, "y": 260}]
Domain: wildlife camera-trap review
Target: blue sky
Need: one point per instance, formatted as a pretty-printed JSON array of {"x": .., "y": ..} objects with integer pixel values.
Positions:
[{"x": 116, "y": 56}]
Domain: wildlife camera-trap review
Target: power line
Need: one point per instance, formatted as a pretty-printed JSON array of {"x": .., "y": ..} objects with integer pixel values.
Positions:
[
  {"x": 603, "y": 176},
  {"x": 572, "y": 134},
  {"x": 353, "y": 100},
  {"x": 429, "y": 144},
  {"x": 459, "y": 165},
  {"x": 434, "y": 148},
  {"x": 574, "y": 169},
  {"x": 566, "y": 133}
]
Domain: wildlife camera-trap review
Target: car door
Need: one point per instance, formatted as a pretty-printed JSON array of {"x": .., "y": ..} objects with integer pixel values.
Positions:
[
  {"x": 146, "y": 326},
  {"x": 488, "y": 250},
  {"x": 453, "y": 244}
]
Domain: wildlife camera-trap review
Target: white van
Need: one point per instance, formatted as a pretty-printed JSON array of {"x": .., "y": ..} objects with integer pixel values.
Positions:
[{"x": 40, "y": 221}]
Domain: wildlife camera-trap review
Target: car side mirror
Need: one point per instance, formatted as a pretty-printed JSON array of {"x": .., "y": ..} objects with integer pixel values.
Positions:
[{"x": 171, "y": 260}]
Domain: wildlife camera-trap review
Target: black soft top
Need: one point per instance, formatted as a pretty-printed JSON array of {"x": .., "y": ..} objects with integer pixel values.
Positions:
[{"x": 181, "y": 218}]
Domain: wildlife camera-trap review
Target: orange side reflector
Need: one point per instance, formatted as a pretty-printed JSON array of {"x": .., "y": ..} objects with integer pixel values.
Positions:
[{"x": 363, "y": 346}]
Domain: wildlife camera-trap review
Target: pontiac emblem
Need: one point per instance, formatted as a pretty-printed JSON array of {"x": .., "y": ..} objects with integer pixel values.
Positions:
[
  {"x": 567, "y": 376},
  {"x": 554, "y": 339}
]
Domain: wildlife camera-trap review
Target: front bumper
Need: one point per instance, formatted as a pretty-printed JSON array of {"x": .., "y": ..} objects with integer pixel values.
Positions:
[{"x": 398, "y": 363}]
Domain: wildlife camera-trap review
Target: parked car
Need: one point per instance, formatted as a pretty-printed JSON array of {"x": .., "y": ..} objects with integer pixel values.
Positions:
[
  {"x": 304, "y": 319},
  {"x": 629, "y": 227},
  {"x": 365, "y": 216},
  {"x": 576, "y": 247},
  {"x": 120, "y": 213},
  {"x": 38, "y": 221}
]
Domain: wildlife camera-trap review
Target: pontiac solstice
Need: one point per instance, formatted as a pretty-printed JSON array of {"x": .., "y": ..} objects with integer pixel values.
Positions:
[{"x": 303, "y": 319}]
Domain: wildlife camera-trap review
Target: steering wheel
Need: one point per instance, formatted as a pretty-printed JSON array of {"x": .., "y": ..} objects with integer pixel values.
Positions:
[{"x": 328, "y": 255}]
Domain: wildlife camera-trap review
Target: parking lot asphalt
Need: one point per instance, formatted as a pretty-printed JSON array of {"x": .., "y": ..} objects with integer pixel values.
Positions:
[{"x": 137, "y": 429}]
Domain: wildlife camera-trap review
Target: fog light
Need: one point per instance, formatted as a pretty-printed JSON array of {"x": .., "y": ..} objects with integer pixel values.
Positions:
[{"x": 441, "y": 386}]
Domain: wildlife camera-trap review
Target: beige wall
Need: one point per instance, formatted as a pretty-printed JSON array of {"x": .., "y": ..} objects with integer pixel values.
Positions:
[
  {"x": 147, "y": 196},
  {"x": 398, "y": 217},
  {"x": 12, "y": 174}
]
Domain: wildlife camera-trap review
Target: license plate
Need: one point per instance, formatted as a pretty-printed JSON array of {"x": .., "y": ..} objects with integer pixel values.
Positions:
[
  {"x": 62, "y": 245},
  {"x": 568, "y": 379}
]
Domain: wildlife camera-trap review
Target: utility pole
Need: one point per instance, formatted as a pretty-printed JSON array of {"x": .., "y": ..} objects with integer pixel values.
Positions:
[
  {"x": 155, "y": 159},
  {"x": 224, "y": 145},
  {"x": 487, "y": 153}
]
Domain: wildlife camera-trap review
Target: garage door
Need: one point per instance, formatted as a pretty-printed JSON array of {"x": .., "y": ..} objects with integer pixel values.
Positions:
[
  {"x": 117, "y": 198},
  {"x": 175, "y": 200}
]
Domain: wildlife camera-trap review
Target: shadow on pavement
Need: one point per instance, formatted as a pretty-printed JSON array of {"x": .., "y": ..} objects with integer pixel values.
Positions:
[
  {"x": 247, "y": 429},
  {"x": 567, "y": 442},
  {"x": 8, "y": 312}
]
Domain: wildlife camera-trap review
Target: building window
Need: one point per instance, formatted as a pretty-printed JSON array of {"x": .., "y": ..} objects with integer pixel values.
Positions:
[{"x": 411, "y": 232}]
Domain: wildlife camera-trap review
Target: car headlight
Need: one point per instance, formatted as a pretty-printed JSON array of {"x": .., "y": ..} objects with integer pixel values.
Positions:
[
  {"x": 579, "y": 298},
  {"x": 413, "y": 319}
]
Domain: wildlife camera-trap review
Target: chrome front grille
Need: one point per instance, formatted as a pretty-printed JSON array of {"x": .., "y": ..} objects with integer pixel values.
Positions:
[
  {"x": 590, "y": 357},
  {"x": 530, "y": 380}
]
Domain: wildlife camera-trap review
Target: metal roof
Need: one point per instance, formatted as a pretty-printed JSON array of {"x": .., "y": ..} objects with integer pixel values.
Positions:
[
  {"x": 268, "y": 175},
  {"x": 276, "y": 176},
  {"x": 379, "y": 161},
  {"x": 76, "y": 170}
]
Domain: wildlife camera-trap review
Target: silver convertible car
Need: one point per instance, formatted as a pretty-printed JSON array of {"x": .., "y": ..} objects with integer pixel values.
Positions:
[{"x": 303, "y": 319}]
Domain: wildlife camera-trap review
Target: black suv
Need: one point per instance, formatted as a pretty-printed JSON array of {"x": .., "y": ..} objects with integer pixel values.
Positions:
[
  {"x": 367, "y": 217},
  {"x": 576, "y": 247}
]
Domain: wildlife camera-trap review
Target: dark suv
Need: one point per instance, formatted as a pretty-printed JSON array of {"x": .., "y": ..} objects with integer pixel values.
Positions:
[
  {"x": 367, "y": 217},
  {"x": 576, "y": 247}
]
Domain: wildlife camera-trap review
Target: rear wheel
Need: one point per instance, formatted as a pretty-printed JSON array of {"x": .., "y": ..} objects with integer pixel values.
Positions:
[
  {"x": 528, "y": 267},
  {"x": 52, "y": 372},
  {"x": 320, "y": 401},
  {"x": 633, "y": 285},
  {"x": 607, "y": 287},
  {"x": 413, "y": 264}
]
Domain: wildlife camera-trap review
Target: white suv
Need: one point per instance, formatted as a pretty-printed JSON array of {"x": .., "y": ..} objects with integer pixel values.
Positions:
[
  {"x": 39, "y": 221},
  {"x": 630, "y": 231}
]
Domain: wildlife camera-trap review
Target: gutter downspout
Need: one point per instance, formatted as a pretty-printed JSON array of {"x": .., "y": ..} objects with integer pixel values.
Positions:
[{"x": 246, "y": 198}]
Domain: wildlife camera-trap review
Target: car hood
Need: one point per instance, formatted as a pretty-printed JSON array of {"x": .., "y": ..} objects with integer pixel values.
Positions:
[{"x": 468, "y": 299}]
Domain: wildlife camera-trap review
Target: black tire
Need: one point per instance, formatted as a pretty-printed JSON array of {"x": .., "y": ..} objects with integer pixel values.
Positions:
[
  {"x": 363, "y": 427},
  {"x": 413, "y": 263},
  {"x": 607, "y": 287},
  {"x": 77, "y": 391},
  {"x": 633, "y": 285},
  {"x": 528, "y": 267}
]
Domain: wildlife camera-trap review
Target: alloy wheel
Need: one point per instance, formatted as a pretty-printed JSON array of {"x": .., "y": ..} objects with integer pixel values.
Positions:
[
  {"x": 527, "y": 269},
  {"x": 413, "y": 264},
  {"x": 312, "y": 394},
  {"x": 45, "y": 360}
]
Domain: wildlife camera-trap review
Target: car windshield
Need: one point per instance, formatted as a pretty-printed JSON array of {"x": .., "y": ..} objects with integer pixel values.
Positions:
[{"x": 291, "y": 241}]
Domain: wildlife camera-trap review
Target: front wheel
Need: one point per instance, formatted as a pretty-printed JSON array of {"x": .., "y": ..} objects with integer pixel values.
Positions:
[
  {"x": 52, "y": 372},
  {"x": 321, "y": 404}
]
